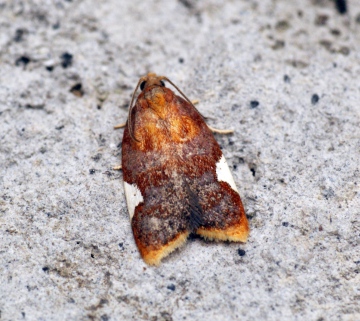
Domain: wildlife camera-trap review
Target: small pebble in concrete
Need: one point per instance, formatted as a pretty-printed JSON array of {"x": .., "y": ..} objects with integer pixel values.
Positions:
[
  {"x": 341, "y": 6},
  {"x": 171, "y": 287},
  {"x": 66, "y": 59},
  {"x": 77, "y": 90},
  {"x": 254, "y": 104},
  {"x": 23, "y": 60},
  {"x": 314, "y": 99}
]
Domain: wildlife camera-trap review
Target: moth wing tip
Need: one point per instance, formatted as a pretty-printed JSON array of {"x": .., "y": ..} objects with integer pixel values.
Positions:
[
  {"x": 234, "y": 233},
  {"x": 154, "y": 256}
]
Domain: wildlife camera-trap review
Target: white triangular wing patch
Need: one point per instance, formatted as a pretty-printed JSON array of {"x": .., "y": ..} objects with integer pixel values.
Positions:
[
  {"x": 133, "y": 197},
  {"x": 223, "y": 173}
]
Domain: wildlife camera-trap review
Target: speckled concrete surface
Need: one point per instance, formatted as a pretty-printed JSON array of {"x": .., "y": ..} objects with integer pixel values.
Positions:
[{"x": 284, "y": 74}]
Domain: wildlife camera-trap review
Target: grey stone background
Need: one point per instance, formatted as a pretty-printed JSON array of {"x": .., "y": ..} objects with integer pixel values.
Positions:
[{"x": 284, "y": 74}]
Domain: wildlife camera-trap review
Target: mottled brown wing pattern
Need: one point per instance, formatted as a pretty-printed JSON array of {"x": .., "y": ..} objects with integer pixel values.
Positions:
[{"x": 176, "y": 178}]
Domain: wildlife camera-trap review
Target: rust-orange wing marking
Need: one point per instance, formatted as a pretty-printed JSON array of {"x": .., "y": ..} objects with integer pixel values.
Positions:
[{"x": 176, "y": 178}]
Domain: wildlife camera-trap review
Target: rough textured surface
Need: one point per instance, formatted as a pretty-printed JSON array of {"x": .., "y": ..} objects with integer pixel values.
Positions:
[{"x": 284, "y": 74}]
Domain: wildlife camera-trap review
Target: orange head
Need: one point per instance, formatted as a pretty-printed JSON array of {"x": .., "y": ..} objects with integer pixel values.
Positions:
[{"x": 151, "y": 79}]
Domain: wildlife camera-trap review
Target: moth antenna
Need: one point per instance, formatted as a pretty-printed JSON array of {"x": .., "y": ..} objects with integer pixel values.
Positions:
[
  {"x": 130, "y": 111},
  {"x": 182, "y": 94}
]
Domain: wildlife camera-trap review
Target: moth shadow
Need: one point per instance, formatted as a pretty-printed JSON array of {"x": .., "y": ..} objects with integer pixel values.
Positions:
[{"x": 194, "y": 237}]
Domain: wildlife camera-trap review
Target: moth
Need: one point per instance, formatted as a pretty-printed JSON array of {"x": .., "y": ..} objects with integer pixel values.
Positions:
[{"x": 176, "y": 178}]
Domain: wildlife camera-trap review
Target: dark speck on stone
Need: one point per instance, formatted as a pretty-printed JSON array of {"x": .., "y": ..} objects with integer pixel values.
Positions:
[
  {"x": 344, "y": 50},
  {"x": 187, "y": 3},
  {"x": 314, "y": 99},
  {"x": 96, "y": 158},
  {"x": 66, "y": 60},
  {"x": 43, "y": 150},
  {"x": 19, "y": 33},
  {"x": 92, "y": 171},
  {"x": 104, "y": 317},
  {"x": 241, "y": 252},
  {"x": 253, "y": 171},
  {"x": 241, "y": 160},
  {"x": 181, "y": 60},
  {"x": 77, "y": 90},
  {"x": 23, "y": 60},
  {"x": 321, "y": 20},
  {"x": 328, "y": 193},
  {"x": 341, "y": 6},
  {"x": 286, "y": 224},
  {"x": 45, "y": 269},
  {"x": 335, "y": 32},
  {"x": 171, "y": 287},
  {"x": 254, "y": 104},
  {"x": 287, "y": 79}
]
